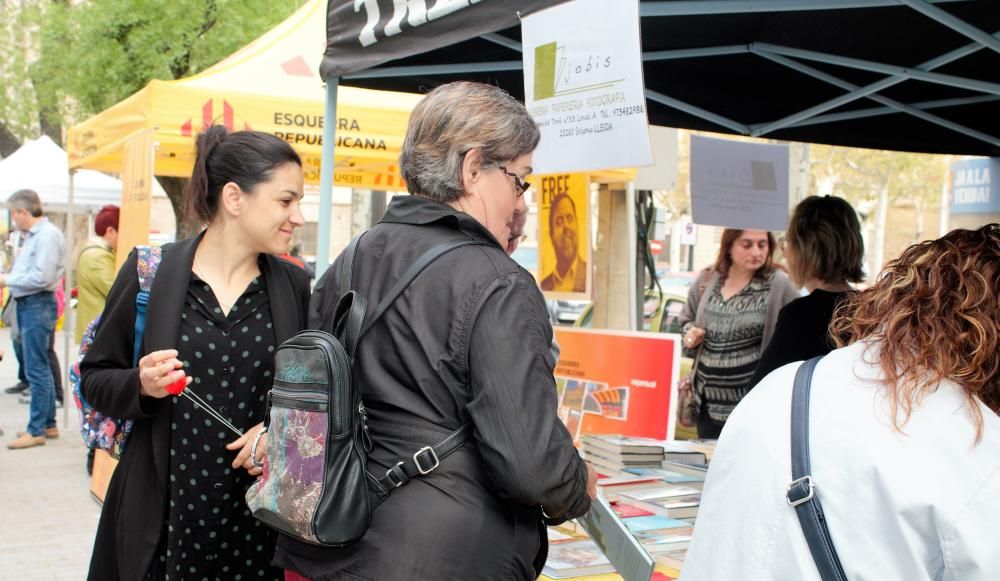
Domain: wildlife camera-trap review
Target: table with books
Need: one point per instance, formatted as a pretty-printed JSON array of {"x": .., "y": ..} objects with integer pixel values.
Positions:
[{"x": 654, "y": 487}]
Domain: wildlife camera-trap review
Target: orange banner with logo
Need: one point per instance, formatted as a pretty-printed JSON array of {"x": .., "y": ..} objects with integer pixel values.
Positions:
[{"x": 618, "y": 382}]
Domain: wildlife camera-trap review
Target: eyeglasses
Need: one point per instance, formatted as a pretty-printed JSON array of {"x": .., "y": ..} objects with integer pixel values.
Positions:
[{"x": 522, "y": 186}]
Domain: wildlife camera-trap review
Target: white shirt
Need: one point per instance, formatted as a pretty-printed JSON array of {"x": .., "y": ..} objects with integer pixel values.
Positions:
[{"x": 921, "y": 505}]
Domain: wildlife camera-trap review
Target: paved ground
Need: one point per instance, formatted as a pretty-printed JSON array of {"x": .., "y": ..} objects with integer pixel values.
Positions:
[{"x": 47, "y": 519}]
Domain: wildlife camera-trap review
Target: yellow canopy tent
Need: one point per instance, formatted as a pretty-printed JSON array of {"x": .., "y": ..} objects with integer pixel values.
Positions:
[{"x": 271, "y": 85}]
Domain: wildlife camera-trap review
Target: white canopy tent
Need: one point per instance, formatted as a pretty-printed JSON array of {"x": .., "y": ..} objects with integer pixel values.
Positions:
[{"x": 42, "y": 166}]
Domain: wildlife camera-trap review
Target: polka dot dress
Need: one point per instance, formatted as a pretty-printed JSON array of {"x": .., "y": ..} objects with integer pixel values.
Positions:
[{"x": 210, "y": 533}]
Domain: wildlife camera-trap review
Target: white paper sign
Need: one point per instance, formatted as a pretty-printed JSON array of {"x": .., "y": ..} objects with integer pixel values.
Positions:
[
  {"x": 737, "y": 184},
  {"x": 583, "y": 85}
]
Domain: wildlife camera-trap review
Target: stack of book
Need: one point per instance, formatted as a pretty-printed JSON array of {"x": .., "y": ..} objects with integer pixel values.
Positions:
[
  {"x": 612, "y": 455},
  {"x": 653, "y": 486}
]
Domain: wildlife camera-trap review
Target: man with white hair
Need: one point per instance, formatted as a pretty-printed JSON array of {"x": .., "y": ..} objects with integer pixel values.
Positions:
[{"x": 32, "y": 282}]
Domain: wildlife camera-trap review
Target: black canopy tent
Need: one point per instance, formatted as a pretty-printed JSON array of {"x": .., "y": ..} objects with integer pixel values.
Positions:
[{"x": 907, "y": 75}]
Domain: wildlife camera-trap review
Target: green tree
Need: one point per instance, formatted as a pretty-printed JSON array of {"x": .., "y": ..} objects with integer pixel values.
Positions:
[
  {"x": 18, "y": 109},
  {"x": 873, "y": 181},
  {"x": 77, "y": 59}
]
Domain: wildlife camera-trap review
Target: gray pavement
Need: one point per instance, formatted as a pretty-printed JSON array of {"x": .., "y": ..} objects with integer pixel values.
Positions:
[{"x": 48, "y": 516}]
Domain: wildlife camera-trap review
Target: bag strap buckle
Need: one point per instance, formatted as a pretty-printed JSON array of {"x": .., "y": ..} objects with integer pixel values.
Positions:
[
  {"x": 395, "y": 476},
  {"x": 434, "y": 460},
  {"x": 793, "y": 486}
]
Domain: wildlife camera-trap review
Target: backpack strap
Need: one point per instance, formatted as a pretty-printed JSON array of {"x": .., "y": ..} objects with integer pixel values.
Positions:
[
  {"x": 801, "y": 492},
  {"x": 425, "y": 460},
  {"x": 347, "y": 275},
  {"x": 411, "y": 273},
  {"x": 146, "y": 265}
]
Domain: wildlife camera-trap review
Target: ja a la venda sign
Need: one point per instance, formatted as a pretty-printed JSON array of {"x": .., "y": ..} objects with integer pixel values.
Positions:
[{"x": 975, "y": 186}]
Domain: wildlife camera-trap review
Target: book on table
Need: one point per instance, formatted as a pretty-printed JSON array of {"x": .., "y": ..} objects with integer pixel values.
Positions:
[
  {"x": 669, "y": 476},
  {"x": 618, "y": 444},
  {"x": 616, "y": 540},
  {"x": 641, "y": 524},
  {"x": 653, "y": 459},
  {"x": 660, "y": 492},
  {"x": 698, "y": 471},
  {"x": 673, "y": 507},
  {"x": 576, "y": 559}
]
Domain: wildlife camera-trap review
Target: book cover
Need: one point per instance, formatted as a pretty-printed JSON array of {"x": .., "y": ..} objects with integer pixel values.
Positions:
[
  {"x": 662, "y": 492},
  {"x": 629, "y": 510},
  {"x": 679, "y": 507},
  {"x": 576, "y": 559},
  {"x": 670, "y": 476},
  {"x": 673, "y": 536},
  {"x": 615, "y": 539},
  {"x": 652, "y": 523}
]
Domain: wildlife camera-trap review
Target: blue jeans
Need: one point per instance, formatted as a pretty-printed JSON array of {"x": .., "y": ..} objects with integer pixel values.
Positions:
[
  {"x": 53, "y": 363},
  {"x": 36, "y": 319}
]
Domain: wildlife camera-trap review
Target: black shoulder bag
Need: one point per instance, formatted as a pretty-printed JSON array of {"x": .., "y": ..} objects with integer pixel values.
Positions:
[{"x": 801, "y": 492}]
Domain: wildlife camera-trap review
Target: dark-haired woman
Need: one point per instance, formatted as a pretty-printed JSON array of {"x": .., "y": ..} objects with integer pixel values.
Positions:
[
  {"x": 730, "y": 315},
  {"x": 825, "y": 252},
  {"x": 219, "y": 306}
]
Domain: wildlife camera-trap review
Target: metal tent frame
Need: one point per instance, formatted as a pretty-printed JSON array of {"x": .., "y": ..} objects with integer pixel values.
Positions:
[{"x": 832, "y": 99}]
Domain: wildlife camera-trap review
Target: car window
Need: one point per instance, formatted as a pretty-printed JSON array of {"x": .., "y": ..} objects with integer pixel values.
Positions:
[{"x": 671, "y": 312}]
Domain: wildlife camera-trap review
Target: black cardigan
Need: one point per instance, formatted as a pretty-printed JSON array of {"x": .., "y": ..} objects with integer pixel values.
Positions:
[{"x": 131, "y": 521}]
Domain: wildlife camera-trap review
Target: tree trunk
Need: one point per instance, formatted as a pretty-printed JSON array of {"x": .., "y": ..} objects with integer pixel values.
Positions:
[
  {"x": 881, "y": 213},
  {"x": 187, "y": 226},
  {"x": 921, "y": 215},
  {"x": 8, "y": 141}
]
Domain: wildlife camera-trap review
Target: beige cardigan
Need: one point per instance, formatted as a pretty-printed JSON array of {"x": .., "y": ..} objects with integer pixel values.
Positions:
[{"x": 782, "y": 292}]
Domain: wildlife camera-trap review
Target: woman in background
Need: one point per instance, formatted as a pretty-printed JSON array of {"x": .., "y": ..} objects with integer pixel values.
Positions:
[
  {"x": 904, "y": 435},
  {"x": 730, "y": 316},
  {"x": 825, "y": 253}
]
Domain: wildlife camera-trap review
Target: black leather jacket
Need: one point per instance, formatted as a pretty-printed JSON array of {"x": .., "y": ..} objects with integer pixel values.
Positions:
[{"x": 469, "y": 340}]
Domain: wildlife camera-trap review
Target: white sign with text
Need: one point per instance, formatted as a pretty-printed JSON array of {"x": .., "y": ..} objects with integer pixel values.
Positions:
[
  {"x": 583, "y": 85},
  {"x": 738, "y": 184}
]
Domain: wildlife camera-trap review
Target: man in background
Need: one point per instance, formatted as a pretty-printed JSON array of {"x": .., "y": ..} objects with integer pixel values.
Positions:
[
  {"x": 95, "y": 269},
  {"x": 570, "y": 273},
  {"x": 32, "y": 282},
  {"x": 9, "y": 315}
]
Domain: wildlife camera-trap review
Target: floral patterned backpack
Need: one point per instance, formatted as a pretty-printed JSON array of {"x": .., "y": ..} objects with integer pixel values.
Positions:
[{"x": 99, "y": 430}]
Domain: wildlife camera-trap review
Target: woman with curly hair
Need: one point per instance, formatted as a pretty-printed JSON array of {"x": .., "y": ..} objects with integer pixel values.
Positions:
[{"x": 903, "y": 433}]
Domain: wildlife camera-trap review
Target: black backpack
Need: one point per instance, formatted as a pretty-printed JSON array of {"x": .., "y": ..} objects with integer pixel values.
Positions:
[{"x": 315, "y": 484}]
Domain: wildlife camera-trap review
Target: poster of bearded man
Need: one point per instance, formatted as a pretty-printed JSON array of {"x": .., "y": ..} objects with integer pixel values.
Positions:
[{"x": 564, "y": 248}]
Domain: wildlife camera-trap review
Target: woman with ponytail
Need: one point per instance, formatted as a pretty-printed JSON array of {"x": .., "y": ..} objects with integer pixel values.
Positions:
[{"x": 219, "y": 306}]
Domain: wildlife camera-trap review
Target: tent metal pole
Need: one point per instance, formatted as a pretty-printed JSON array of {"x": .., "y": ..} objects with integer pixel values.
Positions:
[
  {"x": 866, "y": 65},
  {"x": 792, "y": 120},
  {"x": 455, "y": 69},
  {"x": 69, "y": 320},
  {"x": 697, "y": 112},
  {"x": 805, "y": 69},
  {"x": 700, "y": 7},
  {"x": 879, "y": 111},
  {"x": 686, "y": 53},
  {"x": 502, "y": 41},
  {"x": 326, "y": 178},
  {"x": 957, "y": 24}
]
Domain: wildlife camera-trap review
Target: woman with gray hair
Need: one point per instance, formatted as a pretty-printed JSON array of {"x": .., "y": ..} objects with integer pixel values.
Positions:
[{"x": 467, "y": 342}]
